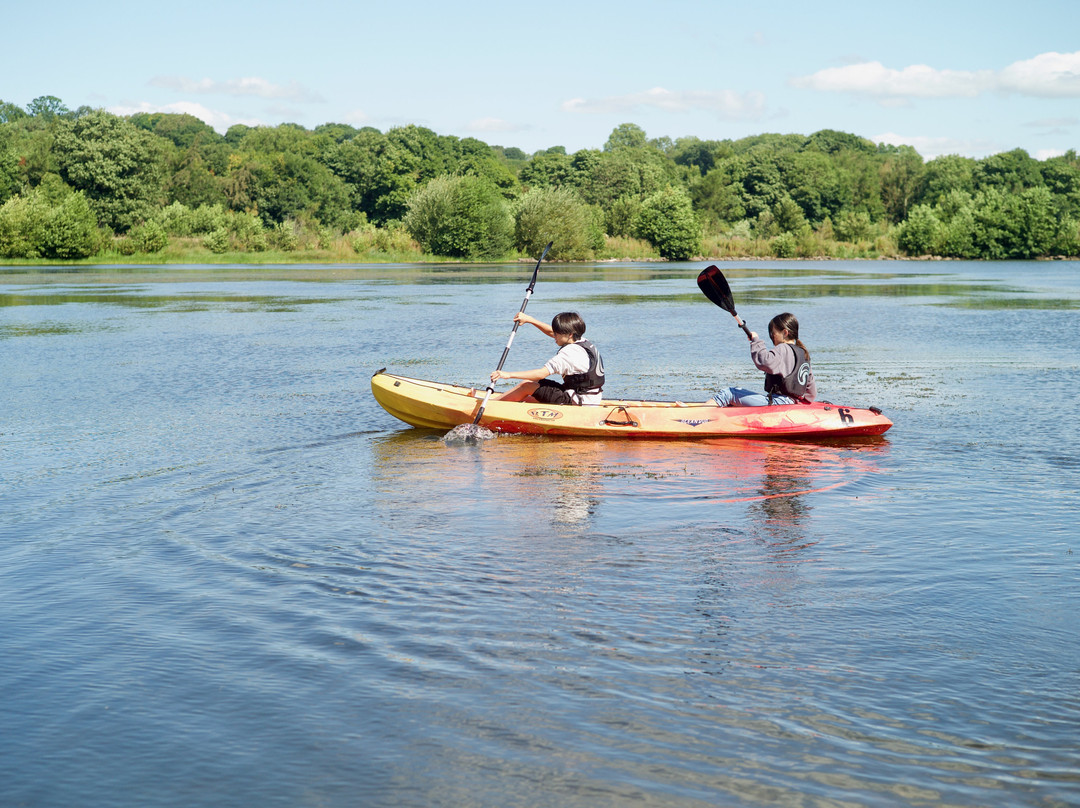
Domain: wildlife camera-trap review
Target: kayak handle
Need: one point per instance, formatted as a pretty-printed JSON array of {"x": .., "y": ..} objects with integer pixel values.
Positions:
[{"x": 628, "y": 422}]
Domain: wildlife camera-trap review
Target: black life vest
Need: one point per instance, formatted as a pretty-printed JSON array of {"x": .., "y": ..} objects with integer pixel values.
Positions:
[
  {"x": 592, "y": 379},
  {"x": 794, "y": 384}
]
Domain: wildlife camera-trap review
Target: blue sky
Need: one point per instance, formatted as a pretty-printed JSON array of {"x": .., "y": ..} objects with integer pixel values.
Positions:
[{"x": 969, "y": 78}]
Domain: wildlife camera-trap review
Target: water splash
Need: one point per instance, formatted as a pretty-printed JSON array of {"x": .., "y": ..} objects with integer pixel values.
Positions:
[{"x": 467, "y": 433}]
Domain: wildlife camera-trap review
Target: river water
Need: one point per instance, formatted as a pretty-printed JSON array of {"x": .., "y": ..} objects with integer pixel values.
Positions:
[{"x": 228, "y": 578}]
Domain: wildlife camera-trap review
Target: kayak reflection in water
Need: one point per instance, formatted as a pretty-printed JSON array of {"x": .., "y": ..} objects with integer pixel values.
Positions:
[
  {"x": 788, "y": 376},
  {"x": 578, "y": 362}
]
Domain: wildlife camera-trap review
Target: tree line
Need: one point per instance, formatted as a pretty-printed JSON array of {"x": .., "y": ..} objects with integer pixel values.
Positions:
[{"x": 82, "y": 183}]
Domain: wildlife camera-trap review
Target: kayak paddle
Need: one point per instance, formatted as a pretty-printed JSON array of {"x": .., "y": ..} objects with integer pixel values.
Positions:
[
  {"x": 510, "y": 341},
  {"x": 714, "y": 285}
]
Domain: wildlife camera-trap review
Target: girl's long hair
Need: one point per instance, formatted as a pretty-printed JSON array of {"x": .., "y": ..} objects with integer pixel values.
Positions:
[{"x": 788, "y": 327}]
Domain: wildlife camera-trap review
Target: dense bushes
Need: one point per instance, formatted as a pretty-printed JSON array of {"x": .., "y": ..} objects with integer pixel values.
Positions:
[
  {"x": 461, "y": 217},
  {"x": 30, "y": 227},
  {"x": 150, "y": 181},
  {"x": 560, "y": 216},
  {"x": 989, "y": 225},
  {"x": 667, "y": 221}
]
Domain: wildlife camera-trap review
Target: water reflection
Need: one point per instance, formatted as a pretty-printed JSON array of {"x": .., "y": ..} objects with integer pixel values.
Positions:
[
  {"x": 611, "y": 485},
  {"x": 782, "y": 502},
  {"x": 142, "y": 298}
]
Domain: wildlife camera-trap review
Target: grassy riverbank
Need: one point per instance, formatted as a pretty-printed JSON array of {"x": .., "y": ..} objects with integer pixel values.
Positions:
[{"x": 347, "y": 249}]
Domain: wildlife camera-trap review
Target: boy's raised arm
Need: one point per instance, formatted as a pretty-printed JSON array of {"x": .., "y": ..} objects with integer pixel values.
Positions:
[{"x": 522, "y": 317}]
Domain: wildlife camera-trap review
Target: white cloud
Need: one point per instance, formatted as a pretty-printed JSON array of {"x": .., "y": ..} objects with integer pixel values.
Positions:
[
  {"x": 916, "y": 81},
  {"x": 727, "y": 104},
  {"x": 1046, "y": 154},
  {"x": 1053, "y": 123},
  {"x": 493, "y": 125},
  {"x": 1048, "y": 75},
  {"x": 931, "y": 147},
  {"x": 261, "y": 88},
  {"x": 219, "y": 121}
]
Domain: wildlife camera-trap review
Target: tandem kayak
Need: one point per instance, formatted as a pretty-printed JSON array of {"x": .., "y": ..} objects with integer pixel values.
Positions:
[{"x": 436, "y": 405}]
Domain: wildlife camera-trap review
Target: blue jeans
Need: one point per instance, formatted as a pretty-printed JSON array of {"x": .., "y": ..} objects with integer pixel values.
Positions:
[{"x": 738, "y": 397}]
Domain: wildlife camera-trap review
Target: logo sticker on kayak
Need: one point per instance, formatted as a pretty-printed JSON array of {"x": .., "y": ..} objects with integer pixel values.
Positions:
[
  {"x": 545, "y": 415},
  {"x": 696, "y": 422}
]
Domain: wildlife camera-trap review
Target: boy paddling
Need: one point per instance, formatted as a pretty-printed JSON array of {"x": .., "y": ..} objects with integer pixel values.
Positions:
[{"x": 578, "y": 362}]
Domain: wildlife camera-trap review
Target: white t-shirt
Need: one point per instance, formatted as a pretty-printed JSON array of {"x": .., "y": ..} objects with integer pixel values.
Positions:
[{"x": 570, "y": 359}]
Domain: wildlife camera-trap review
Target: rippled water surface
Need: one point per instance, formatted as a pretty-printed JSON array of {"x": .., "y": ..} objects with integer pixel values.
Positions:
[{"x": 228, "y": 578}]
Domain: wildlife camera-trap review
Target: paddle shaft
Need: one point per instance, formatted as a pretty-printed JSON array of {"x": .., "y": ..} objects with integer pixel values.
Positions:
[{"x": 513, "y": 331}]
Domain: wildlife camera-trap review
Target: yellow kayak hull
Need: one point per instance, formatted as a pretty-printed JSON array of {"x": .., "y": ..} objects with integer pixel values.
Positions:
[{"x": 435, "y": 405}]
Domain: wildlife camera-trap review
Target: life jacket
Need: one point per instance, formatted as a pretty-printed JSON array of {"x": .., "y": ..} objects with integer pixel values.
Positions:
[
  {"x": 592, "y": 379},
  {"x": 794, "y": 384}
]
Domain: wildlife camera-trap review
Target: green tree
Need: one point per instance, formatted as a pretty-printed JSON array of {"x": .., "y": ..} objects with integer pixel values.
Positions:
[
  {"x": 194, "y": 181},
  {"x": 992, "y": 232},
  {"x": 550, "y": 170},
  {"x": 71, "y": 229},
  {"x": 337, "y": 132},
  {"x": 702, "y": 155},
  {"x": 954, "y": 210},
  {"x": 462, "y": 217},
  {"x": 763, "y": 185},
  {"x": 22, "y": 227},
  {"x": 788, "y": 216},
  {"x": 901, "y": 176},
  {"x": 379, "y": 172},
  {"x": 1010, "y": 172},
  {"x": 476, "y": 157},
  {"x": 560, "y": 216},
  {"x": 236, "y": 134},
  {"x": 623, "y": 172},
  {"x": 1062, "y": 176},
  {"x": 667, "y": 221},
  {"x": 621, "y": 217},
  {"x": 149, "y": 237},
  {"x": 9, "y": 166},
  {"x": 626, "y": 136},
  {"x": 944, "y": 174},
  {"x": 852, "y": 225},
  {"x": 10, "y": 112},
  {"x": 921, "y": 232},
  {"x": 512, "y": 153},
  {"x": 815, "y": 184},
  {"x": 1023, "y": 225},
  {"x": 1037, "y": 223},
  {"x": 47, "y": 107},
  {"x": 288, "y": 185},
  {"x": 428, "y": 150},
  {"x": 720, "y": 194},
  {"x": 860, "y": 177},
  {"x": 116, "y": 164},
  {"x": 32, "y": 228},
  {"x": 183, "y": 130},
  {"x": 830, "y": 141}
]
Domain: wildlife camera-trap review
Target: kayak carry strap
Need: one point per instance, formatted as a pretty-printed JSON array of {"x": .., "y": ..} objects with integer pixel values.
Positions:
[{"x": 627, "y": 420}]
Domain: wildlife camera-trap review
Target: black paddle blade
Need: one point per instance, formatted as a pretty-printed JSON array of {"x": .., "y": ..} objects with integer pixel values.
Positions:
[
  {"x": 714, "y": 285},
  {"x": 712, "y": 282}
]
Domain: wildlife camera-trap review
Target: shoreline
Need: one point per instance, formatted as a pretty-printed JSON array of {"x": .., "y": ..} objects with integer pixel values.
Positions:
[{"x": 242, "y": 260}]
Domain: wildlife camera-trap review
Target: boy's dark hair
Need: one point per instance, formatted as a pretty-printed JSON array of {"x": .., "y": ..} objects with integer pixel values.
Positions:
[{"x": 568, "y": 322}]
